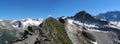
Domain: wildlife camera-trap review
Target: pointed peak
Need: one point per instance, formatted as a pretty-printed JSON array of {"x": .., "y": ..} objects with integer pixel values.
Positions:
[
  {"x": 83, "y": 11},
  {"x": 82, "y": 15}
]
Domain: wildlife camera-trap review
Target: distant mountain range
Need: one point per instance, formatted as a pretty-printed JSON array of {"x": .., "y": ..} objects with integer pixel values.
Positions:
[
  {"x": 19, "y": 24},
  {"x": 82, "y": 28},
  {"x": 110, "y": 16}
]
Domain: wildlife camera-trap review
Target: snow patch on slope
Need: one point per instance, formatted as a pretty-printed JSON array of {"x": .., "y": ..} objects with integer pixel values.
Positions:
[
  {"x": 70, "y": 21},
  {"x": 115, "y": 23},
  {"x": 94, "y": 42},
  {"x": 14, "y": 23},
  {"x": 87, "y": 26},
  {"x": 72, "y": 29},
  {"x": 71, "y": 33},
  {"x": 80, "y": 23}
]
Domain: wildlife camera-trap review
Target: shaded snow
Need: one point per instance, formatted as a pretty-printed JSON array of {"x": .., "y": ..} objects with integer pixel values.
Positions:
[
  {"x": 71, "y": 33},
  {"x": 115, "y": 16},
  {"x": 116, "y": 23}
]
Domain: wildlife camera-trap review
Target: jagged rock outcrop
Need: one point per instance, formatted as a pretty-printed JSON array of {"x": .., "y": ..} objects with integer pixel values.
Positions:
[
  {"x": 34, "y": 35},
  {"x": 56, "y": 31},
  {"x": 62, "y": 19},
  {"x": 88, "y": 36},
  {"x": 50, "y": 31}
]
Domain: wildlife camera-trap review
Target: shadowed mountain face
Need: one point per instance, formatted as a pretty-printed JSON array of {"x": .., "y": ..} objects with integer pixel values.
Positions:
[
  {"x": 88, "y": 28},
  {"x": 110, "y": 16},
  {"x": 82, "y": 15},
  {"x": 85, "y": 17}
]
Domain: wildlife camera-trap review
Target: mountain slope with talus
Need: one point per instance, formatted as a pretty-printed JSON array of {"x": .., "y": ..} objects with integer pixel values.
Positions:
[
  {"x": 50, "y": 31},
  {"x": 82, "y": 28},
  {"x": 56, "y": 31},
  {"x": 93, "y": 30}
]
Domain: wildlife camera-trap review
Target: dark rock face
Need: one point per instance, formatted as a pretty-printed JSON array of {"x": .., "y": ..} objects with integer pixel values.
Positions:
[
  {"x": 37, "y": 41},
  {"x": 20, "y": 24},
  {"x": 41, "y": 25},
  {"x": 82, "y": 15},
  {"x": 30, "y": 28},
  {"x": 34, "y": 35},
  {"x": 62, "y": 19},
  {"x": 88, "y": 36},
  {"x": 85, "y": 17}
]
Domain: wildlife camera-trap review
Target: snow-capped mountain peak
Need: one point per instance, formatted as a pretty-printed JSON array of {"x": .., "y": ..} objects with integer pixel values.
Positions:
[
  {"x": 19, "y": 24},
  {"x": 28, "y": 22}
]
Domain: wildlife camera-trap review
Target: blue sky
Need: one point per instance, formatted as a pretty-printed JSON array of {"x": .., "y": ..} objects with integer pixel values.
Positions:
[{"x": 20, "y": 9}]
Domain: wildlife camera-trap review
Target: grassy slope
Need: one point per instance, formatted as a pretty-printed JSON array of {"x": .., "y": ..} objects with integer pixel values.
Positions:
[
  {"x": 8, "y": 35},
  {"x": 56, "y": 31}
]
